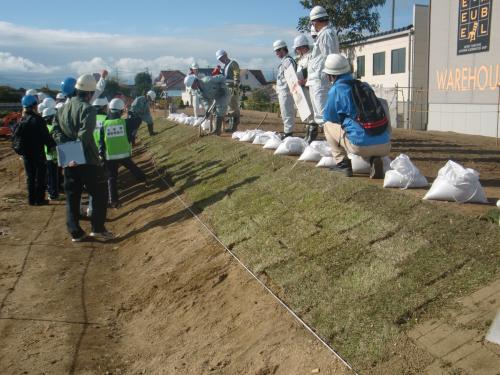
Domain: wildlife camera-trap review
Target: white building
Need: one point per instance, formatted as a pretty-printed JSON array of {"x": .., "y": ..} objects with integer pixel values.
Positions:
[
  {"x": 464, "y": 66},
  {"x": 395, "y": 63}
]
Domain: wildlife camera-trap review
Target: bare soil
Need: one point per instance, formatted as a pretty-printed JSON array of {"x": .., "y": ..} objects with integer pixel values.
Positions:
[{"x": 162, "y": 299}]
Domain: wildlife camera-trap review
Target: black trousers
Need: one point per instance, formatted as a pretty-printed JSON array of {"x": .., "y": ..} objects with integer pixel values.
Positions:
[
  {"x": 35, "y": 178},
  {"x": 94, "y": 180},
  {"x": 52, "y": 179},
  {"x": 112, "y": 169}
]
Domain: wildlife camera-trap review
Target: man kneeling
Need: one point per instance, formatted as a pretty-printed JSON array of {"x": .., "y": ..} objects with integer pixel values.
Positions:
[{"x": 355, "y": 120}]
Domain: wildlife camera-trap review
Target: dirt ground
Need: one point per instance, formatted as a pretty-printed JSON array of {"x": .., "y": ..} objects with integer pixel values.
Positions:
[
  {"x": 428, "y": 150},
  {"x": 164, "y": 298}
]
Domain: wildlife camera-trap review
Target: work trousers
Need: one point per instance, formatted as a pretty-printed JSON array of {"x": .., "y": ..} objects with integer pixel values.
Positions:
[
  {"x": 112, "y": 169},
  {"x": 318, "y": 92},
  {"x": 233, "y": 109},
  {"x": 35, "y": 169},
  {"x": 287, "y": 108},
  {"x": 52, "y": 179},
  {"x": 337, "y": 138},
  {"x": 94, "y": 180}
]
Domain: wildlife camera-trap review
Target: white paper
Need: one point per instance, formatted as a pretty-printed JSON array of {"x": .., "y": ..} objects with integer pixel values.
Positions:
[
  {"x": 70, "y": 151},
  {"x": 298, "y": 93}
]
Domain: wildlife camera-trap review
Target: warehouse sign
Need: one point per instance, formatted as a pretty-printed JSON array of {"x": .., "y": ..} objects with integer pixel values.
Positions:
[
  {"x": 474, "y": 26},
  {"x": 469, "y": 78}
]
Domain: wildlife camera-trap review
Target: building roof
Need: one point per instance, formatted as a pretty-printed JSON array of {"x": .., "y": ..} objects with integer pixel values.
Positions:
[
  {"x": 259, "y": 76},
  {"x": 377, "y": 35},
  {"x": 172, "y": 79}
]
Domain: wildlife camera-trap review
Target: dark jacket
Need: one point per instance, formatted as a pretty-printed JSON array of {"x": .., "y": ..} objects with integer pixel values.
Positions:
[
  {"x": 35, "y": 136},
  {"x": 76, "y": 120}
]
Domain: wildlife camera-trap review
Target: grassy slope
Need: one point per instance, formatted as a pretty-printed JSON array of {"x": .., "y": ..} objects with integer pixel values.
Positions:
[{"x": 359, "y": 263}]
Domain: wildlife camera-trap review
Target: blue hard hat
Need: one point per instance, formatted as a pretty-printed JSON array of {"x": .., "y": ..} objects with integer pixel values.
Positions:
[
  {"x": 28, "y": 101},
  {"x": 68, "y": 86}
]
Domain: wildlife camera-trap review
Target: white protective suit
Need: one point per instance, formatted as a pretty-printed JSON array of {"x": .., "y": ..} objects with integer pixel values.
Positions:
[
  {"x": 287, "y": 104},
  {"x": 317, "y": 81}
]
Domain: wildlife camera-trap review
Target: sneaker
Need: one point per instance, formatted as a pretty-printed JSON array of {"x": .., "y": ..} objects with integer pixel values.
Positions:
[
  {"x": 104, "y": 236},
  {"x": 344, "y": 168},
  {"x": 80, "y": 238},
  {"x": 376, "y": 168}
]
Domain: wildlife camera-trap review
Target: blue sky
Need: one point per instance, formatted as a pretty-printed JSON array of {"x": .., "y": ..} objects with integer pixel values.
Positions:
[{"x": 43, "y": 41}]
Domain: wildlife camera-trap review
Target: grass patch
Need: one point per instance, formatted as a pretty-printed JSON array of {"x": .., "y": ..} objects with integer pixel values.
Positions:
[{"x": 358, "y": 263}]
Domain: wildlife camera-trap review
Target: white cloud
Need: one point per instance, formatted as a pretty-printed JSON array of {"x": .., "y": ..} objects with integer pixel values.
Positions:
[
  {"x": 10, "y": 63},
  {"x": 61, "y": 52}
]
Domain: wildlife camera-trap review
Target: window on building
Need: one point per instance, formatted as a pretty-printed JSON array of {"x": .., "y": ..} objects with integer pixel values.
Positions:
[
  {"x": 379, "y": 64},
  {"x": 360, "y": 64},
  {"x": 246, "y": 76},
  {"x": 398, "y": 60}
]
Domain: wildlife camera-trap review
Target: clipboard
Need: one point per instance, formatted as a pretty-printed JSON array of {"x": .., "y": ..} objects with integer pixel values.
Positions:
[{"x": 70, "y": 151}]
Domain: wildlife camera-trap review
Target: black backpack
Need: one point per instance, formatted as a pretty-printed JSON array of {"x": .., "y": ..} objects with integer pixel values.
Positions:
[
  {"x": 371, "y": 113},
  {"x": 18, "y": 141}
]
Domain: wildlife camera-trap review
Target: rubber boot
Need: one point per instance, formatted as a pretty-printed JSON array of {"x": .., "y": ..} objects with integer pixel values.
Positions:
[
  {"x": 150, "y": 129},
  {"x": 313, "y": 132},
  {"x": 307, "y": 138},
  {"x": 236, "y": 122},
  {"x": 218, "y": 125}
]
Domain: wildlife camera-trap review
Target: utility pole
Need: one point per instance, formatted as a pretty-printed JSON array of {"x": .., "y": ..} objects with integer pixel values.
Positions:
[{"x": 393, "y": 12}]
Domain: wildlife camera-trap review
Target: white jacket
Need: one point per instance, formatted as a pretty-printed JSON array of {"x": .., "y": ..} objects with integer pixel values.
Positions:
[
  {"x": 326, "y": 44},
  {"x": 281, "y": 84}
]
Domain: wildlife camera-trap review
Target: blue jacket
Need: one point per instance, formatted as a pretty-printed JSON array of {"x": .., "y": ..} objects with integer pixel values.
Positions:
[{"x": 341, "y": 109}]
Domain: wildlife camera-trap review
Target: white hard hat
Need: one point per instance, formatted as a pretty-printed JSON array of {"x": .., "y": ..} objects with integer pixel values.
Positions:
[
  {"x": 152, "y": 94},
  {"x": 100, "y": 102},
  {"x": 313, "y": 31},
  {"x": 60, "y": 96},
  {"x": 279, "y": 44},
  {"x": 59, "y": 105},
  {"x": 195, "y": 66},
  {"x": 42, "y": 96},
  {"x": 48, "y": 112},
  {"x": 300, "y": 41},
  {"x": 336, "y": 65},
  {"x": 41, "y": 107},
  {"x": 86, "y": 82},
  {"x": 31, "y": 92},
  {"x": 189, "y": 80},
  {"x": 317, "y": 13},
  {"x": 49, "y": 102},
  {"x": 117, "y": 104},
  {"x": 220, "y": 53}
]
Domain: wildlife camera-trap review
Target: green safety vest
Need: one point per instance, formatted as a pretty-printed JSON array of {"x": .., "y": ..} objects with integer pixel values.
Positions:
[
  {"x": 98, "y": 125},
  {"x": 115, "y": 138},
  {"x": 52, "y": 154}
]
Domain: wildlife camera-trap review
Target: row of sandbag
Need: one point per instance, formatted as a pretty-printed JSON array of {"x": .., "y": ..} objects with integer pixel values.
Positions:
[
  {"x": 454, "y": 182},
  {"x": 182, "y": 118}
]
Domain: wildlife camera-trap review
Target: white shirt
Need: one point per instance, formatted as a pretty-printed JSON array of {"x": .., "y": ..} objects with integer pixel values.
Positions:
[{"x": 326, "y": 44}]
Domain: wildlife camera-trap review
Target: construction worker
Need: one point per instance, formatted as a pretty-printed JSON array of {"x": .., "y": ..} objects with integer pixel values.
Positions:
[
  {"x": 231, "y": 72},
  {"x": 101, "y": 107},
  {"x": 33, "y": 136},
  {"x": 116, "y": 149},
  {"x": 303, "y": 52},
  {"x": 326, "y": 44},
  {"x": 68, "y": 86},
  {"x": 76, "y": 121},
  {"x": 343, "y": 128},
  {"x": 210, "y": 89},
  {"x": 51, "y": 156},
  {"x": 60, "y": 98},
  {"x": 287, "y": 104},
  {"x": 139, "y": 112},
  {"x": 195, "y": 100}
]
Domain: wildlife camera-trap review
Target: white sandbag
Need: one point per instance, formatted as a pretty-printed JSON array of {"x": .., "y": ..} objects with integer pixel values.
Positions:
[
  {"x": 205, "y": 125},
  {"x": 361, "y": 165},
  {"x": 198, "y": 121},
  {"x": 262, "y": 138},
  {"x": 404, "y": 175},
  {"x": 326, "y": 162},
  {"x": 291, "y": 146},
  {"x": 273, "y": 143},
  {"x": 322, "y": 147},
  {"x": 455, "y": 183},
  {"x": 250, "y": 135},
  {"x": 237, "y": 135},
  {"x": 310, "y": 154}
]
